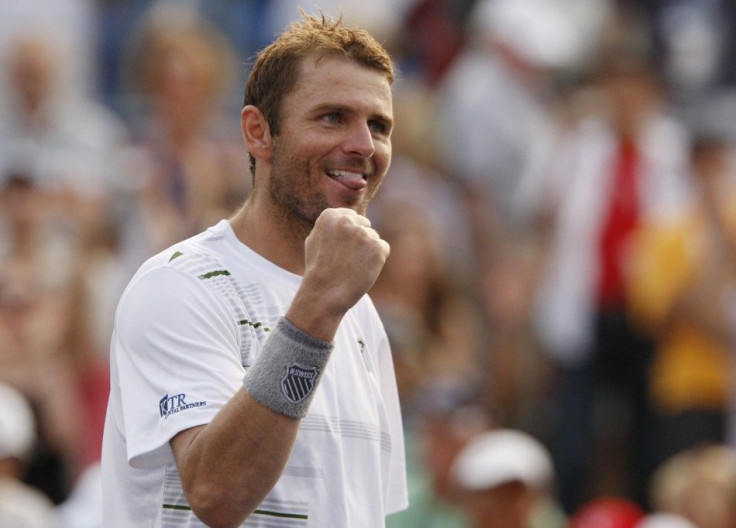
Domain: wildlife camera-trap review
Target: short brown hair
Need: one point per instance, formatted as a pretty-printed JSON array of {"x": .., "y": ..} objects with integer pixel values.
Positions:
[{"x": 276, "y": 67}]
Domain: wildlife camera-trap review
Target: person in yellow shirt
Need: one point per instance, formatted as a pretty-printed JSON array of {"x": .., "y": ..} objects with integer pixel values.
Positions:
[{"x": 682, "y": 286}]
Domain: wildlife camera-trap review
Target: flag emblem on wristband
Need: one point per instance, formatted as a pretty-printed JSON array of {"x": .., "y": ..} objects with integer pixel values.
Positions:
[{"x": 298, "y": 382}]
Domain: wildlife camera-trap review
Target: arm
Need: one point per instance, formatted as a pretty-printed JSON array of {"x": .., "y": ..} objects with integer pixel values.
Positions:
[
  {"x": 222, "y": 480},
  {"x": 678, "y": 275},
  {"x": 708, "y": 301},
  {"x": 229, "y": 465}
]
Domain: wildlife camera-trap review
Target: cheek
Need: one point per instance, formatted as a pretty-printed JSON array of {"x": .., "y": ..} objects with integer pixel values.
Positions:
[
  {"x": 382, "y": 162},
  {"x": 291, "y": 158},
  {"x": 384, "y": 153}
]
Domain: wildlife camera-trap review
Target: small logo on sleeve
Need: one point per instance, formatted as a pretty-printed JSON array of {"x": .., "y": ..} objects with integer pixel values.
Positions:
[
  {"x": 169, "y": 405},
  {"x": 298, "y": 382}
]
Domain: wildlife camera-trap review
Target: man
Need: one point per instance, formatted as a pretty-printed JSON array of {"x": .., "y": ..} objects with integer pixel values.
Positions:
[
  {"x": 252, "y": 382},
  {"x": 504, "y": 478},
  {"x": 612, "y": 172},
  {"x": 21, "y": 505}
]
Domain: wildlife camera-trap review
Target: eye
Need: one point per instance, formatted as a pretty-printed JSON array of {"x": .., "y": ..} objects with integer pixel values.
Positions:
[
  {"x": 378, "y": 127},
  {"x": 332, "y": 118}
]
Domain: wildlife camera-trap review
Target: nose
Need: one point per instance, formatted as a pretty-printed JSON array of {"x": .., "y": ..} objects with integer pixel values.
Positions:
[{"x": 360, "y": 140}]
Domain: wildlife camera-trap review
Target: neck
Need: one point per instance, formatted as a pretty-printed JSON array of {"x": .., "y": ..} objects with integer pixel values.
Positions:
[{"x": 267, "y": 232}]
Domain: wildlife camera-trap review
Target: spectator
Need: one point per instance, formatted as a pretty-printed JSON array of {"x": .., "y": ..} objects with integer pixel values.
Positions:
[
  {"x": 698, "y": 484},
  {"x": 21, "y": 506},
  {"x": 681, "y": 278},
  {"x": 187, "y": 156},
  {"x": 492, "y": 104},
  {"x": 664, "y": 520},
  {"x": 70, "y": 22},
  {"x": 445, "y": 415},
  {"x": 618, "y": 167},
  {"x": 35, "y": 297},
  {"x": 519, "y": 376},
  {"x": 418, "y": 281},
  {"x": 506, "y": 480},
  {"x": 432, "y": 37},
  {"x": 70, "y": 142},
  {"x": 49, "y": 344}
]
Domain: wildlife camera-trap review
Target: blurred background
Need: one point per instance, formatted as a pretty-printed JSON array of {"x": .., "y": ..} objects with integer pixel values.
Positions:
[{"x": 561, "y": 207}]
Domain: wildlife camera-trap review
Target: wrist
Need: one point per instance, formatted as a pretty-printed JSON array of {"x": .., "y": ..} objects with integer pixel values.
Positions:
[
  {"x": 288, "y": 370},
  {"x": 315, "y": 316}
]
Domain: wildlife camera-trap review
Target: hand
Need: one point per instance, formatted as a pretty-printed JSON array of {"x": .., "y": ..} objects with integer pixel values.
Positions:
[{"x": 343, "y": 258}]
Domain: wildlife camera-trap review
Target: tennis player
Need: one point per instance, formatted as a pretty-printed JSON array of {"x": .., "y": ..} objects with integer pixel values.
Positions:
[{"x": 252, "y": 380}]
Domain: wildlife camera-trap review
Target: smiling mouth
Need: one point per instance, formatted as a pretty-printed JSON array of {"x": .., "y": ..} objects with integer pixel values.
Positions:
[{"x": 350, "y": 179}]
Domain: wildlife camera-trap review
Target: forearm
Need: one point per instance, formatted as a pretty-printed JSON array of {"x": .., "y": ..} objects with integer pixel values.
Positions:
[{"x": 230, "y": 465}]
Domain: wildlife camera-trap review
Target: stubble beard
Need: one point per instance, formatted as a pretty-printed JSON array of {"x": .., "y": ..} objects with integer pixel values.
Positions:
[
  {"x": 292, "y": 190},
  {"x": 295, "y": 192}
]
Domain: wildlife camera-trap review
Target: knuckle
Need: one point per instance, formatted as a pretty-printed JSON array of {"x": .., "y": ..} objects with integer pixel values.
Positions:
[
  {"x": 329, "y": 213},
  {"x": 345, "y": 222}
]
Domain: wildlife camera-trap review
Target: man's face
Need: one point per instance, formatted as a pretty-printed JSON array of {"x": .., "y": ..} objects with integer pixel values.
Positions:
[{"x": 334, "y": 145}]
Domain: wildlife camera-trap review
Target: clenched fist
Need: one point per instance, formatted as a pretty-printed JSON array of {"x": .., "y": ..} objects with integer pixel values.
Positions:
[{"x": 343, "y": 257}]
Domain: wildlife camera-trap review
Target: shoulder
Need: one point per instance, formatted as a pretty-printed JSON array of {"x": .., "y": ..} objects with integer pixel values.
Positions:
[
  {"x": 178, "y": 273},
  {"x": 199, "y": 255}
]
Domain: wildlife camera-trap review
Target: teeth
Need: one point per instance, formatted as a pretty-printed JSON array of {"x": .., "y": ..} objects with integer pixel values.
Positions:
[{"x": 345, "y": 174}]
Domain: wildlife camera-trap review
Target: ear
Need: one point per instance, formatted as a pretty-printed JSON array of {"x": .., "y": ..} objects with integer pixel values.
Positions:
[{"x": 256, "y": 133}]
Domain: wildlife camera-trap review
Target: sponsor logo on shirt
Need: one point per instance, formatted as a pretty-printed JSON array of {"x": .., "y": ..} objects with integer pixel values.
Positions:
[{"x": 169, "y": 405}]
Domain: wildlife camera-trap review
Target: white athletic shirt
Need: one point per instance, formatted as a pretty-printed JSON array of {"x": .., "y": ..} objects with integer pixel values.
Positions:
[{"x": 190, "y": 322}]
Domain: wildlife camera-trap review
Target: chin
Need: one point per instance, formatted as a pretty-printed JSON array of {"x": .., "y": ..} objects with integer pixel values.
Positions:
[{"x": 357, "y": 203}]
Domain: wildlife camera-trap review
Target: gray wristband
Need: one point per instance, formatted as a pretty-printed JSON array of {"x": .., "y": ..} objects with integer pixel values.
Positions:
[{"x": 288, "y": 369}]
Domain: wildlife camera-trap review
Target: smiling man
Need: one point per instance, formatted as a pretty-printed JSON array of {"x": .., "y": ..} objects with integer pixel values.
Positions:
[{"x": 252, "y": 381}]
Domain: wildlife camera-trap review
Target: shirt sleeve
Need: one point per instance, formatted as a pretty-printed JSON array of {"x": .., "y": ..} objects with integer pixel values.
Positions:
[{"x": 178, "y": 359}]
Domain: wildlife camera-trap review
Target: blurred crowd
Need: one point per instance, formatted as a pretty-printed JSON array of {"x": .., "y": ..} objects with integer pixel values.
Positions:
[{"x": 561, "y": 208}]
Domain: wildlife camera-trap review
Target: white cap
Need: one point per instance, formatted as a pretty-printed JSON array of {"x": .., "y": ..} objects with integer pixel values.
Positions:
[
  {"x": 23, "y": 506},
  {"x": 537, "y": 30},
  {"x": 501, "y": 456},
  {"x": 17, "y": 424},
  {"x": 664, "y": 520}
]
